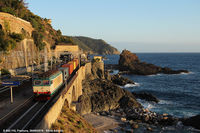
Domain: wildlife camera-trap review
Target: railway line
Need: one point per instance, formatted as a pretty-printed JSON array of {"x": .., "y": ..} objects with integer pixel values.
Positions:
[
  {"x": 28, "y": 118},
  {"x": 3, "y": 89},
  {"x": 30, "y": 113}
]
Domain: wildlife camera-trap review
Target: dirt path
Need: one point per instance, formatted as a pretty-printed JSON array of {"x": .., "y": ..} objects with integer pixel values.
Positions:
[{"x": 102, "y": 123}]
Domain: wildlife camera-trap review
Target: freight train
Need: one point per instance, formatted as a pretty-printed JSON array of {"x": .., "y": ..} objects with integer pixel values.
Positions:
[{"x": 48, "y": 83}]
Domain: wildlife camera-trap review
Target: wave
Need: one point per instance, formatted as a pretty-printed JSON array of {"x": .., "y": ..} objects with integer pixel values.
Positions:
[
  {"x": 154, "y": 75},
  {"x": 189, "y": 114},
  {"x": 165, "y": 102},
  {"x": 182, "y": 73},
  {"x": 146, "y": 104},
  {"x": 130, "y": 85},
  {"x": 187, "y": 73}
]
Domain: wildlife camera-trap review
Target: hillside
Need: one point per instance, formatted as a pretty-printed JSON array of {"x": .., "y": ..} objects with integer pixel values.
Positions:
[
  {"x": 24, "y": 33},
  {"x": 94, "y": 46}
]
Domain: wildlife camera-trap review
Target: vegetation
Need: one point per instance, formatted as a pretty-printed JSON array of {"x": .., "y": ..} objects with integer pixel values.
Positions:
[
  {"x": 5, "y": 72},
  {"x": 94, "y": 46},
  {"x": 8, "y": 41},
  {"x": 43, "y": 31},
  {"x": 71, "y": 122},
  {"x": 38, "y": 39},
  {"x": 17, "y": 37}
]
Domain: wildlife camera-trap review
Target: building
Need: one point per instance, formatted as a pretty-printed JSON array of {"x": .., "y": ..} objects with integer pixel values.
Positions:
[{"x": 98, "y": 58}]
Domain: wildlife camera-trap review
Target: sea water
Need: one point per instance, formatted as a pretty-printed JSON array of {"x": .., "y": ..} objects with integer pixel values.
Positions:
[{"x": 179, "y": 94}]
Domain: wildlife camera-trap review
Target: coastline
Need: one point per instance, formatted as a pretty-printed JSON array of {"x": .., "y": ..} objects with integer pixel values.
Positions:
[{"x": 103, "y": 123}]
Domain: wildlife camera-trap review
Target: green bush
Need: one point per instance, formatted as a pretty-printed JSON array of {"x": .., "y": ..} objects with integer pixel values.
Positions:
[
  {"x": 17, "y": 37},
  {"x": 6, "y": 42},
  {"x": 38, "y": 39},
  {"x": 8, "y": 10},
  {"x": 4, "y": 72}
]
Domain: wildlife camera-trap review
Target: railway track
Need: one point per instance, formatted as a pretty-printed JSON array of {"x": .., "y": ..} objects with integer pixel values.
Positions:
[
  {"x": 3, "y": 89},
  {"x": 6, "y": 120},
  {"x": 28, "y": 119},
  {"x": 30, "y": 113}
]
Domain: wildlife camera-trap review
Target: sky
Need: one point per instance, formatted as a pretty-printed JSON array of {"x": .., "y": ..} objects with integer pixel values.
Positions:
[{"x": 136, "y": 25}]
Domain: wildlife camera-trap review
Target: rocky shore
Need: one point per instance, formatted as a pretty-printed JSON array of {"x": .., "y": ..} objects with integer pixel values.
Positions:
[
  {"x": 130, "y": 63},
  {"x": 103, "y": 96}
]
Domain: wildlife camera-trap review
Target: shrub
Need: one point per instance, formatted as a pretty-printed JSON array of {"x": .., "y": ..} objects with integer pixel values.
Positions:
[
  {"x": 8, "y": 10},
  {"x": 5, "y": 72},
  {"x": 38, "y": 39},
  {"x": 17, "y": 37}
]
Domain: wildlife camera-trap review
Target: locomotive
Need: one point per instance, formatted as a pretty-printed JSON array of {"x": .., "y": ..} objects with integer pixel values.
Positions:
[{"x": 48, "y": 83}]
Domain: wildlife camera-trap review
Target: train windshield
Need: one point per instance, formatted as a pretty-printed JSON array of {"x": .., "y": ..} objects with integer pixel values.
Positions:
[
  {"x": 37, "y": 82},
  {"x": 46, "y": 82},
  {"x": 41, "y": 82}
]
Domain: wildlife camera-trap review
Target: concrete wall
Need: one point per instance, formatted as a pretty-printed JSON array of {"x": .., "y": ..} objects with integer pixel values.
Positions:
[
  {"x": 70, "y": 93},
  {"x": 70, "y": 48},
  {"x": 21, "y": 56},
  {"x": 88, "y": 68}
]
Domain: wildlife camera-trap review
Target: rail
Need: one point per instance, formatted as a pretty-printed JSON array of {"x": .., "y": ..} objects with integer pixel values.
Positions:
[{"x": 35, "y": 111}]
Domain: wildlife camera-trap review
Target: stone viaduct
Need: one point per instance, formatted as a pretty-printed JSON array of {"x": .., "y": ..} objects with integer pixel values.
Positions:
[{"x": 70, "y": 93}]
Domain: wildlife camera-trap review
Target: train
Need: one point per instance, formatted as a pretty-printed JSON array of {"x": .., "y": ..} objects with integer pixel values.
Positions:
[{"x": 48, "y": 83}]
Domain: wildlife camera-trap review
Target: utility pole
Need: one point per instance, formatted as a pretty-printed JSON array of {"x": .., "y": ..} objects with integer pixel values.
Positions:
[
  {"x": 11, "y": 95},
  {"x": 51, "y": 63},
  {"x": 45, "y": 60}
]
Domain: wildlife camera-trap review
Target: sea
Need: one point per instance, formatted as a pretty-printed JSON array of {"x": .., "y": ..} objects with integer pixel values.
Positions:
[{"x": 179, "y": 94}]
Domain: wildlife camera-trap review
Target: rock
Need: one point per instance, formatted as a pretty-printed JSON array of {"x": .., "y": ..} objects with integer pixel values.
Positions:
[
  {"x": 131, "y": 122},
  {"x": 146, "y": 96},
  {"x": 123, "y": 119},
  {"x": 98, "y": 70},
  {"x": 149, "y": 129},
  {"x": 146, "y": 118},
  {"x": 130, "y": 62},
  {"x": 135, "y": 126},
  {"x": 119, "y": 80},
  {"x": 113, "y": 130},
  {"x": 165, "y": 118},
  {"x": 192, "y": 121},
  {"x": 107, "y": 75},
  {"x": 165, "y": 114},
  {"x": 129, "y": 131},
  {"x": 129, "y": 102},
  {"x": 102, "y": 95}
]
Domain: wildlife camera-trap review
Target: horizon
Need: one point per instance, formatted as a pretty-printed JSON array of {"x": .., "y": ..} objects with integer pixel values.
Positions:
[{"x": 141, "y": 26}]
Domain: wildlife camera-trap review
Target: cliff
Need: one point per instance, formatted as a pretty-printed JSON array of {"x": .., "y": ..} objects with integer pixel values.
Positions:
[{"x": 94, "y": 46}]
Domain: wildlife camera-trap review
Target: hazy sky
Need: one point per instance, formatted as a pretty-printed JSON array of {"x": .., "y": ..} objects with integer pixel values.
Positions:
[{"x": 137, "y": 25}]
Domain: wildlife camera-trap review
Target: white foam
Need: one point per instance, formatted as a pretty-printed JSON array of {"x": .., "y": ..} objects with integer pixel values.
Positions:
[
  {"x": 165, "y": 102},
  {"x": 130, "y": 85},
  {"x": 146, "y": 104},
  {"x": 154, "y": 75},
  {"x": 188, "y": 114},
  {"x": 184, "y": 73}
]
